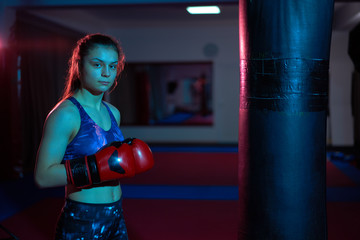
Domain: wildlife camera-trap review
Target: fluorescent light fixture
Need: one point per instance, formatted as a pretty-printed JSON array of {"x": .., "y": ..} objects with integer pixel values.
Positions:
[{"x": 203, "y": 10}]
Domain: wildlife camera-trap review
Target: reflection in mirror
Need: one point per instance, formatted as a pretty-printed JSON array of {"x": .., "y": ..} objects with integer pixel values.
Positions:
[{"x": 165, "y": 94}]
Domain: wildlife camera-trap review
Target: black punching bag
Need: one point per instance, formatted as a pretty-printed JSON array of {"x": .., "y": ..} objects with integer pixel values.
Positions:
[{"x": 284, "y": 65}]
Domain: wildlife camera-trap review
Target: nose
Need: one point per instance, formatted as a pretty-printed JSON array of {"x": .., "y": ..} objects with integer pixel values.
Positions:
[{"x": 105, "y": 72}]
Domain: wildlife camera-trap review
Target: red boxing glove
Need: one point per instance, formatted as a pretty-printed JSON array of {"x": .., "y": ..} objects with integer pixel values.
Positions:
[
  {"x": 112, "y": 162},
  {"x": 142, "y": 154}
]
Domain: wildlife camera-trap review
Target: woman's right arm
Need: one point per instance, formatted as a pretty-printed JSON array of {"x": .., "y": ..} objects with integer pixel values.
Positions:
[{"x": 58, "y": 129}]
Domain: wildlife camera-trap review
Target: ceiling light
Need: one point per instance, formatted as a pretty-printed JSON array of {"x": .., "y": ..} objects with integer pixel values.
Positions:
[{"x": 203, "y": 10}]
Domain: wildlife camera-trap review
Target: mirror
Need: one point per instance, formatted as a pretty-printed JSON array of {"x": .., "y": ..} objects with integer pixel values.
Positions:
[{"x": 177, "y": 93}]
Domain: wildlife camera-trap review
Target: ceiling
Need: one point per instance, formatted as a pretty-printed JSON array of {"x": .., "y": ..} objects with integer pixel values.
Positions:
[
  {"x": 346, "y": 15},
  {"x": 127, "y": 16}
]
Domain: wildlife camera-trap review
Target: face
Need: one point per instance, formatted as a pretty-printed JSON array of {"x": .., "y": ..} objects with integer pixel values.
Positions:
[{"x": 99, "y": 69}]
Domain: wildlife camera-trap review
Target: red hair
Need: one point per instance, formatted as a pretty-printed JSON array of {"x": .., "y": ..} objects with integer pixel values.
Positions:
[{"x": 82, "y": 48}]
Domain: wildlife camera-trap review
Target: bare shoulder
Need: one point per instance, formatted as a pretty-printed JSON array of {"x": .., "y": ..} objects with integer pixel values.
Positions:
[
  {"x": 114, "y": 111},
  {"x": 61, "y": 124},
  {"x": 64, "y": 115}
]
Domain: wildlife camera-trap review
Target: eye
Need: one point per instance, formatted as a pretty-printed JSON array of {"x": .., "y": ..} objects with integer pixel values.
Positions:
[
  {"x": 113, "y": 66},
  {"x": 95, "y": 64}
]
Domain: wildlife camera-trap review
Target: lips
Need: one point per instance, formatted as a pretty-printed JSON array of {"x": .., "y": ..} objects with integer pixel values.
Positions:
[{"x": 104, "y": 82}]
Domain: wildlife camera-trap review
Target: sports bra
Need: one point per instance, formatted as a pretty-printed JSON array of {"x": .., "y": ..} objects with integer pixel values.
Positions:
[{"x": 91, "y": 137}]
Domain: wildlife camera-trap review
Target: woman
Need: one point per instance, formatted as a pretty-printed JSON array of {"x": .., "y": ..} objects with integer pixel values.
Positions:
[{"x": 79, "y": 125}]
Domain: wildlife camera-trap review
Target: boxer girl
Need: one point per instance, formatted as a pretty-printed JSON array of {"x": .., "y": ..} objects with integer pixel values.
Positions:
[{"x": 79, "y": 125}]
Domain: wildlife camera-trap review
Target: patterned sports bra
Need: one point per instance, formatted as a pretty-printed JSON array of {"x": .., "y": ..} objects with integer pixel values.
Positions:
[{"x": 90, "y": 137}]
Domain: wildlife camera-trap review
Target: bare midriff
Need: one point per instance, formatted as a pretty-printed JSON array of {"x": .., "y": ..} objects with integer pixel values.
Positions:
[{"x": 104, "y": 193}]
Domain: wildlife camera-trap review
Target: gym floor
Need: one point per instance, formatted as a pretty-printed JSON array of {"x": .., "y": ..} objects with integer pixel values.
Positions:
[{"x": 187, "y": 195}]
